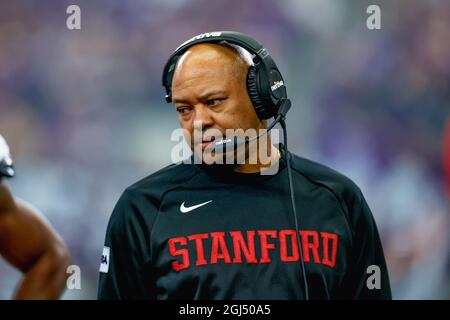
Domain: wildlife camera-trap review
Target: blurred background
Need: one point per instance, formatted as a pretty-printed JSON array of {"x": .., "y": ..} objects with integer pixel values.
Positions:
[{"x": 84, "y": 112}]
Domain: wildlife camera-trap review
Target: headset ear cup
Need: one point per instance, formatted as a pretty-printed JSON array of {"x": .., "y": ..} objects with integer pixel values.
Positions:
[{"x": 252, "y": 88}]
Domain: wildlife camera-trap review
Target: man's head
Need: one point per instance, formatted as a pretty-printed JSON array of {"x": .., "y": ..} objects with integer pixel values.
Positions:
[{"x": 210, "y": 85}]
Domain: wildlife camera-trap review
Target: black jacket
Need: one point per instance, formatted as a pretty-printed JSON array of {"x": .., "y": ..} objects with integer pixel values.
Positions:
[{"x": 235, "y": 237}]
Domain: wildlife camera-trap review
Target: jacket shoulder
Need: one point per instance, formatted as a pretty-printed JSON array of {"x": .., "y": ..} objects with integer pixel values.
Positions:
[
  {"x": 145, "y": 196},
  {"x": 165, "y": 179},
  {"x": 342, "y": 187}
]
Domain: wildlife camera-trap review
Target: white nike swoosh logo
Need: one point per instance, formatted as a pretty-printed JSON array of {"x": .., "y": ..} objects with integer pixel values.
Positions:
[{"x": 187, "y": 209}]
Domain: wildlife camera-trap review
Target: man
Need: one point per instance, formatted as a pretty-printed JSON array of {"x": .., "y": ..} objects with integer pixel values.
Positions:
[
  {"x": 28, "y": 242},
  {"x": 220, "y": 231}
]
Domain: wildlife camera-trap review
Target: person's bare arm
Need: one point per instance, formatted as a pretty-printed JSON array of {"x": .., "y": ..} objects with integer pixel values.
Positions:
[{"x": 30, "y": 244}]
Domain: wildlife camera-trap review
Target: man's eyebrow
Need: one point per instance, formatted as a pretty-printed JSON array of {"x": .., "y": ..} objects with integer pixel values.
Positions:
[
  {"x": 175, "y": 100},
  {"x": 204, "y": 96},
  {"x": 211, "y": 94}
]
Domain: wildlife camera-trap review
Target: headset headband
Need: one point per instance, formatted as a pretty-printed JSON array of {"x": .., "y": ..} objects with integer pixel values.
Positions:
[{"x": 254, "y": 47}]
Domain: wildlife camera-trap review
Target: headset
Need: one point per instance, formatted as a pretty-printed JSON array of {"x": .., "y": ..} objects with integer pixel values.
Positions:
[{"x": 267, "y": 93}]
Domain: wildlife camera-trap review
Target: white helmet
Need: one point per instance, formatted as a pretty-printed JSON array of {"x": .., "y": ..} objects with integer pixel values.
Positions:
[{"x": 6, "y": 165}]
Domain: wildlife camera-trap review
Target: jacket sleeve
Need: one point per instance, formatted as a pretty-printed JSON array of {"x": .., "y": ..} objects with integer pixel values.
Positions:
[
  {"x": 125, "y": 268},
  {"x": 367, "y": 275}
]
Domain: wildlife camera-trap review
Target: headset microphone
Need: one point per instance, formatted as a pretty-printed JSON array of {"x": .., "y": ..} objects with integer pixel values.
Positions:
[{"x": 233, "y": 143}]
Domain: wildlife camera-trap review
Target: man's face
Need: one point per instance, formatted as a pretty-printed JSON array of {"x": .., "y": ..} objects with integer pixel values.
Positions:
[{"x": 209, "y": 85}]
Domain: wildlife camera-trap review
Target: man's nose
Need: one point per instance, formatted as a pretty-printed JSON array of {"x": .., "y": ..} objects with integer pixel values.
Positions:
[{"x": 203, "y": 115}]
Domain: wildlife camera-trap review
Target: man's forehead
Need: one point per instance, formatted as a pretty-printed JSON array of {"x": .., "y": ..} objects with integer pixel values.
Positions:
[
  {"x": 200, "y": 84},
  {"x": 203, "y": 65},
  {"x": 205, "y": 56},
  {"x": 208, "y": 51},
  {"x": 187, "y": 75}
]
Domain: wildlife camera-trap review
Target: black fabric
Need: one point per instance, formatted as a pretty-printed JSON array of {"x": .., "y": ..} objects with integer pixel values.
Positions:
[{"x": 241, "y": 244}]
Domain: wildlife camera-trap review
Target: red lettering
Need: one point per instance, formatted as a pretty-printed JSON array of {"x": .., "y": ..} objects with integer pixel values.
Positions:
[
  {"x": 245, "y": 247},
  {"x": 266, "y": 246},
  {"x": 307, "y": 246},
  {"x": 176, "y": 265},
  {"x": 283, "y": 245},
  {"x": 218, "y": 240},
  {"x": 240, "y": 246},
  {"x": 325, "y": 239},
  {"x": 198, "y": 238}
]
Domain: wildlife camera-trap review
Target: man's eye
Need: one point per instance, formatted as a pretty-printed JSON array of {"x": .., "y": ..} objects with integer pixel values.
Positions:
[
  {"x": 182, "y": 110},
  {"x": 213, "y": 102}
]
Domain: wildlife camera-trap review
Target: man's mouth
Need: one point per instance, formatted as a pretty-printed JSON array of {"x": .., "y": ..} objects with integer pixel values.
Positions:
[{"x": 206, "y": 142}]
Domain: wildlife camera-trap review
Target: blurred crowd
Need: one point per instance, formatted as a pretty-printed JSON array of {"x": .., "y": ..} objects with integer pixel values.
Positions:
[{"x": 84, "y": 112}]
